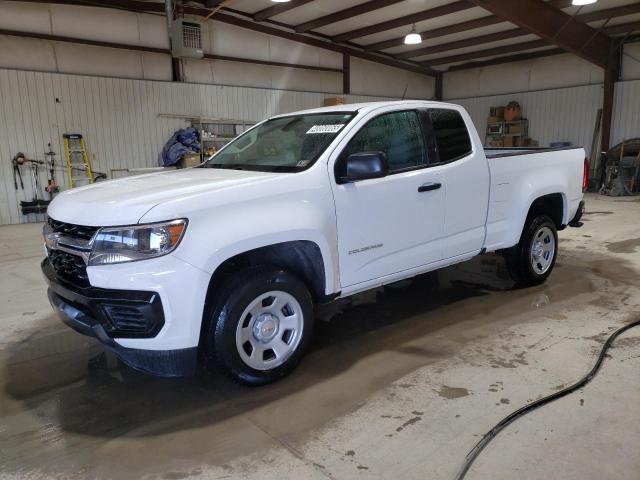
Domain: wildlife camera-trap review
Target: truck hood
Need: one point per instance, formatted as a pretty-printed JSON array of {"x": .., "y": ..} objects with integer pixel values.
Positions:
[{"x": 125, "y": 201}]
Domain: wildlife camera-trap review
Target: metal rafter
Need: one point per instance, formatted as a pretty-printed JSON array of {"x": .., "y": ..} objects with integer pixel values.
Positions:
[
  {"x": 508, "y": 59},
  {"x": 244, "y": 22},
  {"x": 440, "y": 11},
  {"x": 278, "y": 9},
  {"x": 623, "y": 28},
  {"x": 555, "y": 27},
  {"x": 344, "y": 14},
  {"x": 518, "y": 47},
  {"x": 467, "y": 42},
  {"x": 620, "y": 29},
  {"x": 454, "y": 28},
  {"x": 518, "y": 32}
]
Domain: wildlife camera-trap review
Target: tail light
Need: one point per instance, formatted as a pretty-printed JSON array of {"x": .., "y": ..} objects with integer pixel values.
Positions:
[{"x": 585, "y": 175}]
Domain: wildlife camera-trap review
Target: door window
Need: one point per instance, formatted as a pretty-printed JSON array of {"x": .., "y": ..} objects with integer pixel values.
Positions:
[
  {"x": 397, "y": 134},
  {"x": 450, "y": 131}
]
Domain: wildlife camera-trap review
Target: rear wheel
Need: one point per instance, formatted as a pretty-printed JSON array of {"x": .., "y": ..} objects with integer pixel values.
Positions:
[
  {"x": 260, "y": 325},
  {"x": 531, "y": 261}
]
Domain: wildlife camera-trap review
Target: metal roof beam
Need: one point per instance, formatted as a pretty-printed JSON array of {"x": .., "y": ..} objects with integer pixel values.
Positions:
[
  {"x": 243, "y": 22},
  {"x": 518, "y": 47},
  {"x": 278, "y": 9},
  {"x": 518, "y": 32},
  {"x": 555, "y": 27},
  {"x": 340, "y": 15},
  {"x": 436, "y": 12},
  {"x": 454, "y": 28}
]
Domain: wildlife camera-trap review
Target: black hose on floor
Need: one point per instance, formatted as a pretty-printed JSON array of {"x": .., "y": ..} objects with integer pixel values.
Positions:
[{"x": 491, "y": 434}]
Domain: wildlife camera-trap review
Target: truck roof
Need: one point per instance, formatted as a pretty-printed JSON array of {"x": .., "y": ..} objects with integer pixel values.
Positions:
[{"x": 367, "y": 106}]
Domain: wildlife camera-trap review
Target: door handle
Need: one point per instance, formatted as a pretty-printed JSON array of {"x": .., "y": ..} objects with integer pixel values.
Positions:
[{"x": 427, "y": 187}]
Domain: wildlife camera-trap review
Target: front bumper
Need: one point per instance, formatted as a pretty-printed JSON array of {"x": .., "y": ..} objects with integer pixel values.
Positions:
[{"x": 109, "y": 314}]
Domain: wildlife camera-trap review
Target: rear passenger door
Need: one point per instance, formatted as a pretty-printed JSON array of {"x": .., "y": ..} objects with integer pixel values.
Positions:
[{"x": 465, "y": 174}]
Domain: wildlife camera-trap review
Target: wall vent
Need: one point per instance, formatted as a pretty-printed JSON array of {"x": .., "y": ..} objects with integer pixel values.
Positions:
[{"x": 186, "y": 39}]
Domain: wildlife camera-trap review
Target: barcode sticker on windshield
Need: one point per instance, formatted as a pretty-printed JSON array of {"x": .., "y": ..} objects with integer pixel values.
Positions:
[{"x": 325, "y": 128}]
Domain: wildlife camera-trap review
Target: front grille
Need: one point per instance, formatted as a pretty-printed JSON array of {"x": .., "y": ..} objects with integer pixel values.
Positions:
[
  {"x": 71, "y": 230},
  {"x": 69, "y": 267}
]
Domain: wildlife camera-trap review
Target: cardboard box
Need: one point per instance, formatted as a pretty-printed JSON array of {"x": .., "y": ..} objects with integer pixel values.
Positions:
[
  {"x": 509, "y": 142},
  {"x": 189, "y": 160},
  {"x": 330, "y": 102},
  {"x": 497, "y": 112},
  {"x": 514, "y": 128},
  {"x": 496, "y": 143},
  {"x": 494, "y": 119}
]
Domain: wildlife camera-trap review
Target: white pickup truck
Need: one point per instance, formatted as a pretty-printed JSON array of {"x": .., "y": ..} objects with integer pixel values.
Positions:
[{"x": 223, "y": 263}]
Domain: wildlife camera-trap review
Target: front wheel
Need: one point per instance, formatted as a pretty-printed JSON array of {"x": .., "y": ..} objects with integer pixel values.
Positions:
[
  {"x": 531, "y": 261},
  {"x": 259, "y": 328}
]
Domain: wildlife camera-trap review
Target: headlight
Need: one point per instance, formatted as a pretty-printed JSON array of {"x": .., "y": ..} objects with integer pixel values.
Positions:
[{"x": 136, "y": 242}]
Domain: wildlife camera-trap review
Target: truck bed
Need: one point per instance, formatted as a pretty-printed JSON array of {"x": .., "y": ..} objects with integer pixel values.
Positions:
[
  {"x": 519, "y": 176},
  {"x": 496, "y": 152}
]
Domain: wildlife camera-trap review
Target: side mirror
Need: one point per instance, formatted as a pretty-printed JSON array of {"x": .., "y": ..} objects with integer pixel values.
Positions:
[{"x": 361, "y": 166}]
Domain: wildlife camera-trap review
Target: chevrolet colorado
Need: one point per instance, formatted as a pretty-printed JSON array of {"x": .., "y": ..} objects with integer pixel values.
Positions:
[{"x": 223, "y": 263}]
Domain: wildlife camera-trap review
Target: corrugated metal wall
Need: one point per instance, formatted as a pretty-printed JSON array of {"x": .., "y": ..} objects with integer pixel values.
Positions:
[
  {"x": 118, "y": 117},
  {"x": 565, "y": 114},
  {"x": 626, "y": 118}
]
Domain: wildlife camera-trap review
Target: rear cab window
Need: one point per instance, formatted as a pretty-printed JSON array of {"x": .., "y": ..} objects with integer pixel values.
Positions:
[{"x": 450, "y": 134}]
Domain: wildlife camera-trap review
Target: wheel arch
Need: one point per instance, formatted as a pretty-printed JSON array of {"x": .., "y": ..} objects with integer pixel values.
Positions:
[
  {"x": 302, "y": 258},
  {"x": 554, "y": 205}
]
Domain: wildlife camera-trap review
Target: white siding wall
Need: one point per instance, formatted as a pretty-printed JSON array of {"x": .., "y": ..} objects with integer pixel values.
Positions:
[
  {"x": 626, "y": 118},
  {"x": 118, "y": 117},
  {"x": 368, "y": 78},
  {"x": 565, "y": 114},
  {"x": 545, "y": 73},
  {"x": 148, "y": 30},
  {"x": 556, "y": 71}
]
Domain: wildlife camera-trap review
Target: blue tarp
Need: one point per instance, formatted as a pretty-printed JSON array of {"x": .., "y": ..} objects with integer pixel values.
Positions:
[{"x": 185, "y": 140}]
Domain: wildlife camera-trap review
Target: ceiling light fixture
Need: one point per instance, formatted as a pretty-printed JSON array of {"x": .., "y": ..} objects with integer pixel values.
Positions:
[
  {"x": 413, "y": 37},
  {"x": 583, "y": 2},
  {"x": 280, "y": 1}
]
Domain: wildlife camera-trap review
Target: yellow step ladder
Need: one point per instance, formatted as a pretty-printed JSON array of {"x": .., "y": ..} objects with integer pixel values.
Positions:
[{"x": 75, "y": 151}]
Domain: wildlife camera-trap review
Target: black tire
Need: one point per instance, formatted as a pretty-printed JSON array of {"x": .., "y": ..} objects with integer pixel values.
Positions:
[
  {"x": 227, "y": 308},
  {"x": 518, "y": 258}
]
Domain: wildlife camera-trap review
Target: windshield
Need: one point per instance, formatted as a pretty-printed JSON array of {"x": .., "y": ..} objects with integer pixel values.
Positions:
[{"x": 285, "y": 144}]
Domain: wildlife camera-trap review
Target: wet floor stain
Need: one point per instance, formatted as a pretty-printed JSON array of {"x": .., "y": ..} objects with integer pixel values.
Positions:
[
  {"x": 452, "y": 392},
  {"x": 624, "y": 246},
  {"x": 63, "y": 398},
  {"x": 409, "y": 422},
  {"x": 182, "y": 475}
]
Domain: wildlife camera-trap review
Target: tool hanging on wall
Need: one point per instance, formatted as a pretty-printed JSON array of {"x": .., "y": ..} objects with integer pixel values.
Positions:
[
  {"x": 75, "y": 151},
  {"x": 52, "y": 185},
  {"x": 16, "y": 161},
  {"x": 37, "y": 205}
]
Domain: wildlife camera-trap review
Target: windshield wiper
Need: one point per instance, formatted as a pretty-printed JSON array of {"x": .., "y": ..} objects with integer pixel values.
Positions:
[{"x": 228, "y": 166}]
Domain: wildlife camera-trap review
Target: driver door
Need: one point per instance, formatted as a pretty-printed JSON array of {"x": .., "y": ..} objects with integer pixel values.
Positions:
[{"x": 392, "y": 224}]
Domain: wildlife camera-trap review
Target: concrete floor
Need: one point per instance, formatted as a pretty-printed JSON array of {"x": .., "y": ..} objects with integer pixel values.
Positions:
[{"x": 400, "y": 382}]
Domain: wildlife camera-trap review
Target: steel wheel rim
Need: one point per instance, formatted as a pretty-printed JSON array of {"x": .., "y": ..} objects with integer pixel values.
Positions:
[
  {"x": 543, "y": 250},
  {"x": 269, "y": 330}
]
